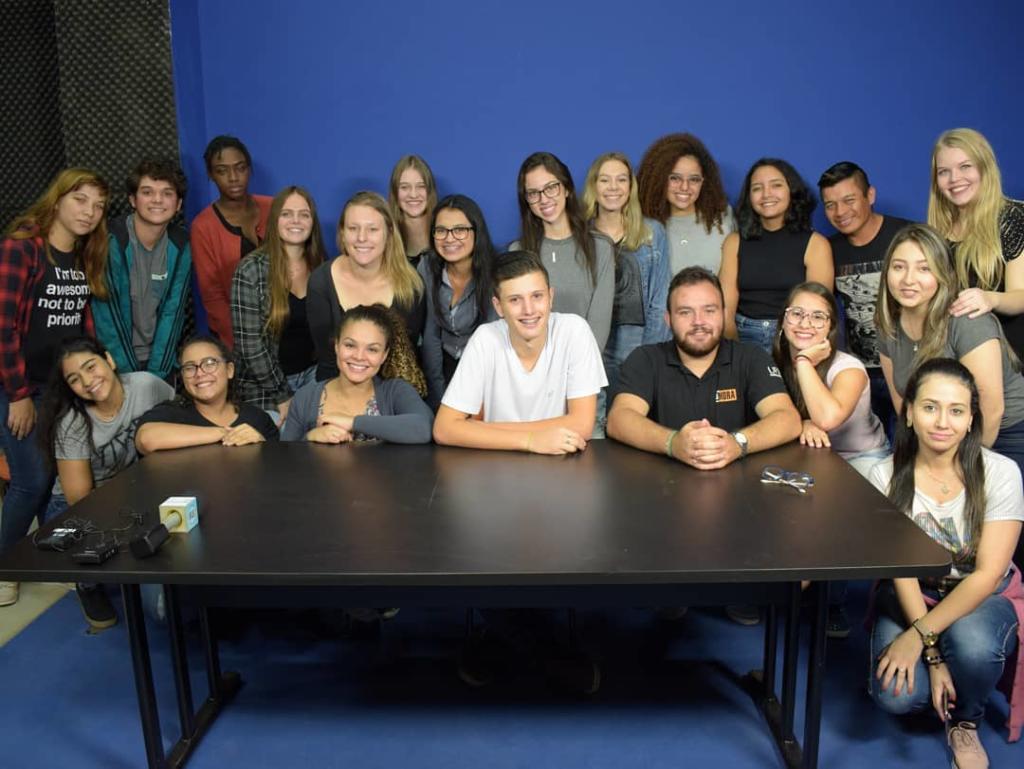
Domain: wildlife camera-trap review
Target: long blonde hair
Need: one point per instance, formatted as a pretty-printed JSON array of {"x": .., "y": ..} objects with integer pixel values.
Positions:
[
  {"x": 635, "y": 231},
  {"x": 936, "y": 323},
  {"x": 91, "y": 251},
  {"x": 404, "y": 280},
  {"x": 977, "y": 224},
  {"x": 419, "y": 165},
  {"x": 278, "y": 280}
]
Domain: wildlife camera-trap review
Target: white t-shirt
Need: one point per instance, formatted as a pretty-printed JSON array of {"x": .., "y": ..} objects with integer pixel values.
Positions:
[
  {"x": 945, "y": 522},
  {"x": 490, "y": 374}
]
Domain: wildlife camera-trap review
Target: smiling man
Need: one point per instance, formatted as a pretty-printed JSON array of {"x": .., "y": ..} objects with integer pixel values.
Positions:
[
  {"x": 858, "y": 249},
  {"x": 149, "y": 268},
  {"x": 529, "y": 381},
  {"x": 701, "y": 399}
]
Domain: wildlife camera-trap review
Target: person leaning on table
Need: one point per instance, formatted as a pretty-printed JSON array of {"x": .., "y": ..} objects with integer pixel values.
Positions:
[{"x": 701, "y": 399}]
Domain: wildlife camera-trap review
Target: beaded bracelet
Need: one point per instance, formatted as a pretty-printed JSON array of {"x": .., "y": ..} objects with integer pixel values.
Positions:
[
  {"x": 668, "y": 444},
  {"x": 932, "y": 655}
]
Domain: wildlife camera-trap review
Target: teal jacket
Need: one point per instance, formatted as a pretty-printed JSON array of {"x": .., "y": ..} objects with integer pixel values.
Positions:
[{"x": 113, "y": 317}]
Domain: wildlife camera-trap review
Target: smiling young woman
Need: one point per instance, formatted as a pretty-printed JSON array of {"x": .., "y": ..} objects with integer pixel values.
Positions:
[
  {"x": 412, "y": 196},
  {"x": 87, "y": 425},
  {"x": 985, "y": 230},
  {"x": 275, "y": 348},
  {"x": 612, "y": 206},
  {"x": 57, "y": 248},
  {"x": 914, "y": 326},
  {"x": 372, "y": 268},
  {"x": 207, "y": 411},
  {"x": 376, "y": 393},
  {"x": 457, "y": 276},
  {"x": 681, "y": 187},
  {"x": 947, "y": 640},
  {"x": 580, "y": 262},
  {"x": 774, "y": 250}
]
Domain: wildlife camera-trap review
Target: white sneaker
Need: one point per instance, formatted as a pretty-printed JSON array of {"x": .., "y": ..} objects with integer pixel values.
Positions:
[{"x": 8, "y": 593}]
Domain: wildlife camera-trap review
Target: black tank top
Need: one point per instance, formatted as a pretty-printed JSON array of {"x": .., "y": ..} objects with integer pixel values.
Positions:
[
  {"x": 295, "y": 349},
  {"x": 769, "y": 268}
]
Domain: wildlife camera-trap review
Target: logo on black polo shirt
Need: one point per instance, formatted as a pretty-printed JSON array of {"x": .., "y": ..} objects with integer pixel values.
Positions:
[
  {"x": 774, "y": 371},
  {"x": 727, "y": 395}
]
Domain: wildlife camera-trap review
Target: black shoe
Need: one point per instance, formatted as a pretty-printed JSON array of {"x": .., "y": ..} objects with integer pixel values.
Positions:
[
  {"x": 838, "y": 624},
  {"x": 96, "y": 606},
  {"x": 575, "y": 674}
]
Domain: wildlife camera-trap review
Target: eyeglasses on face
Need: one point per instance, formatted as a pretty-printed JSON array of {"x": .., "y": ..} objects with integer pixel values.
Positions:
[
  {"x": 795, "y": 316},
  {"x": 551, "y": 190},
  {"x": 207, "y": 365},
  {"x": 678, "y": 180},
  {"x": 459, "y": 232}
]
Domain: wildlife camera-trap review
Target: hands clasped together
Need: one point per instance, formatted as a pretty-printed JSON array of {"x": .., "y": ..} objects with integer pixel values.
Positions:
[{"x": 704, "y": 446}]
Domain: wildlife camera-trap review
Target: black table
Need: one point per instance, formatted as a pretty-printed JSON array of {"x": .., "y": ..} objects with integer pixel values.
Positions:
[{"x": 389, "y": 525}]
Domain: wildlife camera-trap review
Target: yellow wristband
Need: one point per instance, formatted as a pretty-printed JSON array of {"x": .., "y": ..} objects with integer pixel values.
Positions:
[{"x": 668, "y": 444}]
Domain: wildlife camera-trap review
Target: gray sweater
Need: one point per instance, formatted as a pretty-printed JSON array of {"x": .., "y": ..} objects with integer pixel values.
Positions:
[
  {"x": 571, "y": 280},
  {"x": 404, "y": 417}
]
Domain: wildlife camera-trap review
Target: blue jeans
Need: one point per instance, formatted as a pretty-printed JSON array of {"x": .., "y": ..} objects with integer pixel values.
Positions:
[
  {"x": 621, "y": 342},
  {"x": 975, "y": 649},
  {"x": 1010, "y": 443},
  {"x": 757, "y": 332},
  {"x": 31, "y": 480},
  {"x": 300, "y": 378}
]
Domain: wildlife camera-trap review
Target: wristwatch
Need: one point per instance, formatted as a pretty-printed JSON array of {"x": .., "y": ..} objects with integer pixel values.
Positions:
[
  {"x": 928, "y": 637},
  {"x": 741, "y": 440}
]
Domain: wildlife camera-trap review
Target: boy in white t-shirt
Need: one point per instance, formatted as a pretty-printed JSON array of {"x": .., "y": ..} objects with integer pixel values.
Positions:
[{"x": 526, "y": 382}]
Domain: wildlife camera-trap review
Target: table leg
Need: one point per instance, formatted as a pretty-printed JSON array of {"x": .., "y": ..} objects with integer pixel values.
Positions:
[
  {"x": 179, "y": 657},
  {"x": 815, "y": 675},
  {"x": 143, "y": 670},
  {"x": 778, "y": 714},
  {"x": 222, "y": 686},
  {"x": 771, "y": 645},
  {"x": 791, "y": 652}
]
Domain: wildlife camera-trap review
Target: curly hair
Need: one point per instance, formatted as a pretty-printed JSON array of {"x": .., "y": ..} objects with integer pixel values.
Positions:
[
  {"x": 801, "y": 202},
  {"x": 652, "y": 180},
  {"x": 401, "y": 361}
]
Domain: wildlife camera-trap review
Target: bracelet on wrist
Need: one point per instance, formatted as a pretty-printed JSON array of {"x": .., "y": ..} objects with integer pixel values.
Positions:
[
  {"x": 803, "y": 357},
  {"x": 668, "y": 443},
  {"x": 932, "y": 655}
]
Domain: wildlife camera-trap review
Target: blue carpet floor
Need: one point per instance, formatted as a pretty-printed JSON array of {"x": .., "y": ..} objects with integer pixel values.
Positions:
[{"x": 313, "y": 700}]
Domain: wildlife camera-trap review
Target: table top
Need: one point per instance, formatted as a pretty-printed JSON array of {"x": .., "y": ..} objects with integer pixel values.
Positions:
[{"x": 299, "y": 514}]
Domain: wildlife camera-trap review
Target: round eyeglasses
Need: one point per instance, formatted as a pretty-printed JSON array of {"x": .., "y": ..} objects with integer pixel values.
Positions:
[
  {"x": 207, "y": 365},
  {"x": 795, "y": 316}
]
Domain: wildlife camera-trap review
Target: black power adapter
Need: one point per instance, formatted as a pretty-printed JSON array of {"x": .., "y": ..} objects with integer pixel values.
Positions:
[{"x": 94, "y": 555}]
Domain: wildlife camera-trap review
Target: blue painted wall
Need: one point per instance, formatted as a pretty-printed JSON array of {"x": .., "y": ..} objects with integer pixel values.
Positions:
[{"x": 329, "y": 94}]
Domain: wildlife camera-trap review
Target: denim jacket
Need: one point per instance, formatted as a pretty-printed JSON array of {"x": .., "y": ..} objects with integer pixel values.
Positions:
[{"x": 654, "y": 279}]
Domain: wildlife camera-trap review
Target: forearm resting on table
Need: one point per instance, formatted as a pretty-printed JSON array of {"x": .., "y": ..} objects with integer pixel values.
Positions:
[{"x": 158, "y": 436}]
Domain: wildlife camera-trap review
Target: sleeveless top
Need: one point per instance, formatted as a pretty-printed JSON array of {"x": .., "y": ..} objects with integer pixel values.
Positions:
[
  {"x": 1011, "y": 236},
  {"x": 769, "y": 267}
]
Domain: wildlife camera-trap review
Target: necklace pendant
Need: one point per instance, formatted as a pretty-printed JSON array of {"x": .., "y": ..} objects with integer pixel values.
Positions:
[{"x": 944, "y": 488}]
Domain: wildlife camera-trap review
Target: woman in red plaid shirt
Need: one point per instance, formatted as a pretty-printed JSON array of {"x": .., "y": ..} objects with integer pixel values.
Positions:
[{"x": 51, "y": 262}]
